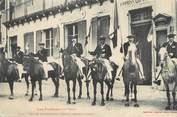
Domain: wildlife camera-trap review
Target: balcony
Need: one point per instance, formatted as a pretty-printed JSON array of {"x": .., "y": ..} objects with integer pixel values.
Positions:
[{"x": 31, "y": 10}]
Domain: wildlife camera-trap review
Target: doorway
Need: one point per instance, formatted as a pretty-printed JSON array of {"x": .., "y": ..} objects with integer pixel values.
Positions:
[{"x": 13, "y": 46}]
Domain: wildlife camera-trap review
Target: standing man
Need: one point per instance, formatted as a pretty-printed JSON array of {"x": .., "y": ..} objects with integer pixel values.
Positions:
[
  {"x": 124, "y": 49},
  {"x": 19, "y": 59},
  {"x": 76, "y": 50},
  {"x": 104, "y": 52}
]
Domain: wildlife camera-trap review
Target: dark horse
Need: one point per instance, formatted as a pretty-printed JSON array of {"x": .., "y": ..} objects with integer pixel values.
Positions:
[
  {"x": 36, "y": 72},
  {"x": 98, "y": 74},
  {"x": 71, "y": 73},
  {"x": 8, "y": 69},
  {"x": 169, "y": 76},
  {"x": 131, "y": 75}
]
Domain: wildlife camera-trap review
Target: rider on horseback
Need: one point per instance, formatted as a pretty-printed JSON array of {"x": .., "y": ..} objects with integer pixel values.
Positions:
[
  {"x": 19, "y": 59},
  {"x": 42, "y": 54},
  {"x": 131, "y": 39},
  {"x": 103, "y": 51},
  {"x": 76, "y": 50},
  {"x": 171, "y": 47}
]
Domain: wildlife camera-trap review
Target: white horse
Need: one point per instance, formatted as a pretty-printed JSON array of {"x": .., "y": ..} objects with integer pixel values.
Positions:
[{"x": 169, "y": 76}]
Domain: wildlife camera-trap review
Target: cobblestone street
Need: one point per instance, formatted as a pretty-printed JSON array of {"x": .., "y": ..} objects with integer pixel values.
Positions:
[{"x": 152, "y": 103}]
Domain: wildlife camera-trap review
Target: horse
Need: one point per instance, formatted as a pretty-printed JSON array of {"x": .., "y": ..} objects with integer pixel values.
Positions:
[
  {"x": 30, "y": 63},
  {"x": 70, "y": 70},
  {"x": 131, "y": 74},
  {"x": 8, "y": 70},
  {"x": 169, "y": 76},
  {"x": 98, "y": 74}
]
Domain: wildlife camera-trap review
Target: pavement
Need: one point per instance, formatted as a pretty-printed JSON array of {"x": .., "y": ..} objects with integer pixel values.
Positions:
[{"x": 152, "y": 103}]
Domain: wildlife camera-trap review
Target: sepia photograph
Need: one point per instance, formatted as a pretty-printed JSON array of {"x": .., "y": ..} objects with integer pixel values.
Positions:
[{"x": 88, "y": 58}]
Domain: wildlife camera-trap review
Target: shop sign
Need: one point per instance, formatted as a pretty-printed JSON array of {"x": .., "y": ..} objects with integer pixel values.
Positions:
[{"x": 131, "y": 2}]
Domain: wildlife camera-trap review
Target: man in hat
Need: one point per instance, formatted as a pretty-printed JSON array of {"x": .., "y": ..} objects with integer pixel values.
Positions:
[
  {"x": 42, "y": 54},
  {"x": 19, "y": 59},
  {"x": 19, "y": 55},
  {"x": 171, "y": 46},
  {"x": 76, "y": 50},
  {"x": 124, "y": 49},
  {"x": 104, "y": 52}
]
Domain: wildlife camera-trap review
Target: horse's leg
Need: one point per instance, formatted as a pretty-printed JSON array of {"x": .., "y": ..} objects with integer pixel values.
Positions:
[
  {"x": 174, "y": 97},
  {"x": 111, "y": 89},
  {"x": 131, "y": 91},
  {"x": 94, "y": 92},
  {"x": 27, "y": 84},
  {"x": 57, "y": 87},
  {"x": 102, "y": 93},
  {"x": 68, "y": 90},
  {"x": 56, "y": 83},
  {"x": 127, "y": 91},
  {"x": 35, "y": 89},
  {"x": 108, "y": 91},
  {"x": 135, "y": 95},
  {"x": 32, "y": 90},
  {"x": 88, "y": 94},
  {"x": 168, "y": 97},
  {"x": 80, "y": 88},
  {"x": 40, "y": 90},
  {"x": 11, "y": 83},
  {"x": 74, "y": 92}
]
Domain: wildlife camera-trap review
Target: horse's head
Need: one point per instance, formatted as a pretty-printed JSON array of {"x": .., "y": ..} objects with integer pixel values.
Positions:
[
  {"x": 98, "y": 69},
  {"x": 29, "y": 60},
  {"x": 131, "y": 55},
  {"x": 68, "y": 60},
  {"x": 163, "y": 54}
]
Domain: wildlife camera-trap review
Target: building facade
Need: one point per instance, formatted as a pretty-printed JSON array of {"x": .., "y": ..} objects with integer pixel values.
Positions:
[{"x": 55, "y": 22}]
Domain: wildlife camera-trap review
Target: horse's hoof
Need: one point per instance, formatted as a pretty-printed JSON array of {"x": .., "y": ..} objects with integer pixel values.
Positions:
[
  {"x": 88, "y": 97},
  {"x": 11, "y": 97},
  {"x": 26, "y": 94},
  {"x": 107, "y": 98},
  {"x": 30, "y": 100},
  {"x": 68, "y": 102},
  {"x": 136, "y": 105},
  {"x": 102, "y": 104},
  {"x": 111, "y": 99},
  {"x": 74, "y": 102},
  {"x": 40, "y": 99},
  {"x": 55, "y": 95},
  {"x": 93, "y": 103},
  {"x": 79, "y": 97},
  {"x": 127, "y": 104},
  {"x": 167, "y": 108},
  {"x": 133, "y": 100}
]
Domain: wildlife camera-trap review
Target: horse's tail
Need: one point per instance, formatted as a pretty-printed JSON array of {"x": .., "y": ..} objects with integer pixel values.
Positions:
[{"x": 57, "y": 68}]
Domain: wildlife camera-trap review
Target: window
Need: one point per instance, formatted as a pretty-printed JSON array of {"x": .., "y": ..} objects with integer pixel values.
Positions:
[
  {"x": 141, "y": 14},
  {"x": 72, "y": 32},
  {"x": 49, "y": 41}
]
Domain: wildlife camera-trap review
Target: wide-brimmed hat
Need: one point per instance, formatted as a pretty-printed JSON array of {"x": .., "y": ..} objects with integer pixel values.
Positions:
[
  {"x": 102, "y": 38},
  {"x": 41, "y": 43},
  {"x": 131, "y": 36},
  {"x": 171, "y": 35}
]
